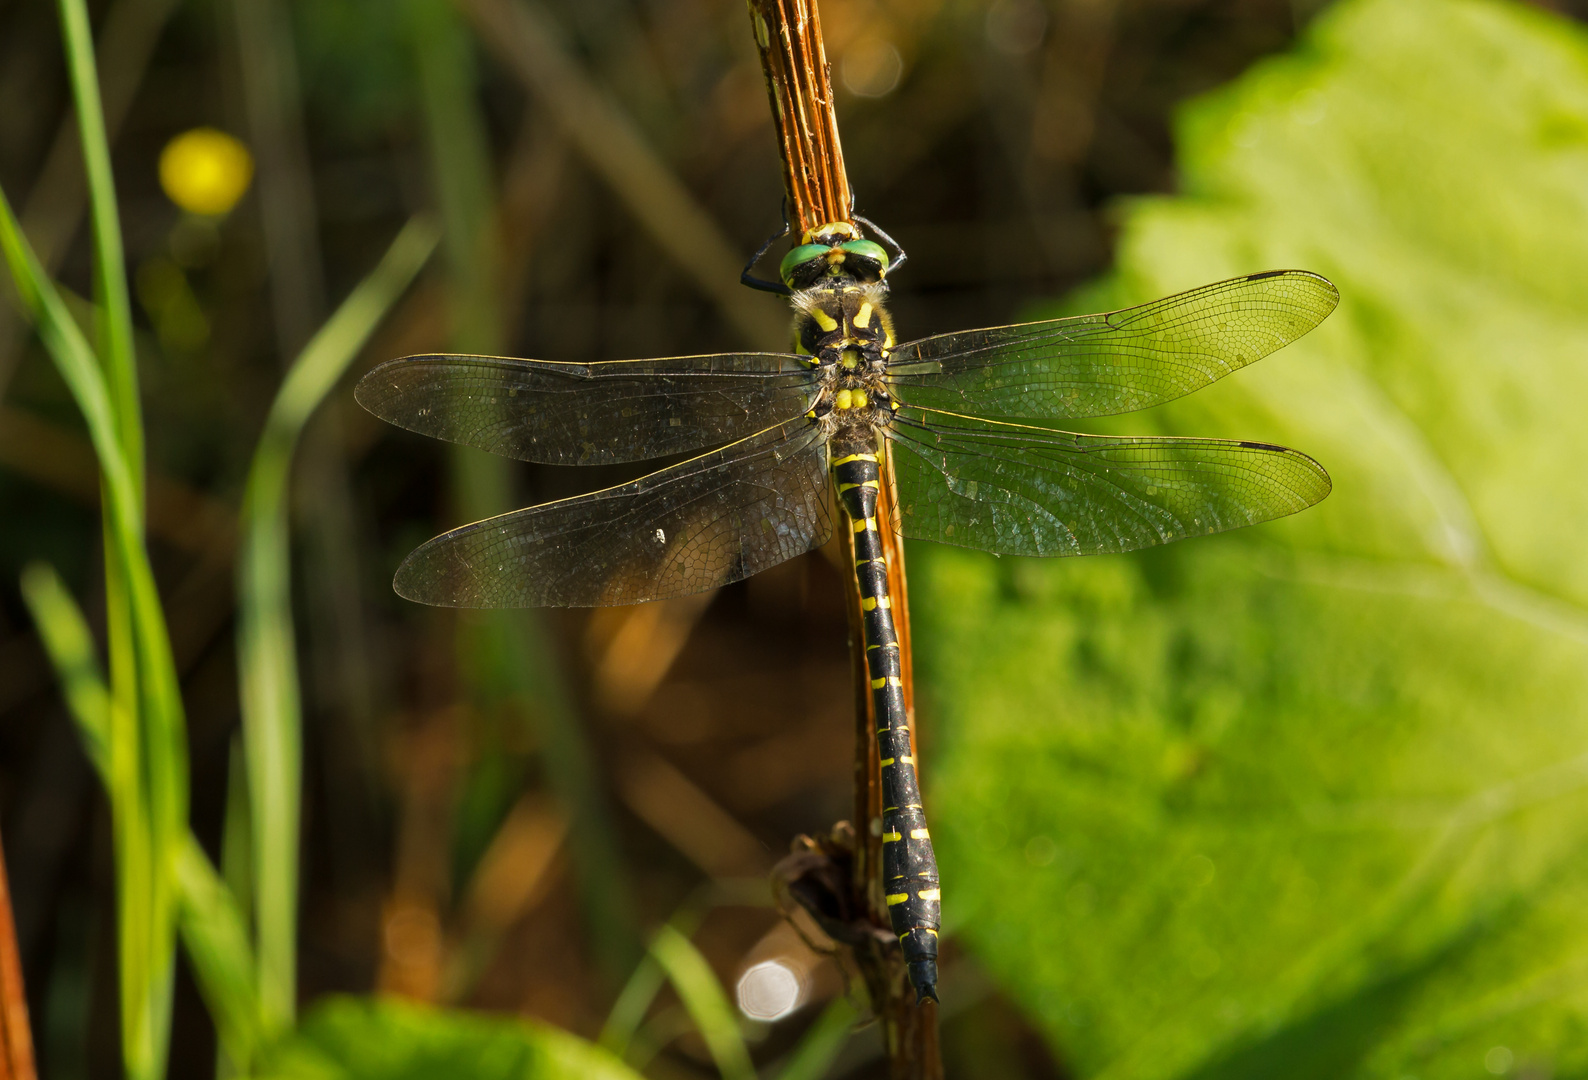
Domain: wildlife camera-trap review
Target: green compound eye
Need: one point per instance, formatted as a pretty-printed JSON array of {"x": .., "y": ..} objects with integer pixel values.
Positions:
[
  {"x": 799, "y": 257},
  {"x": 867, "y": 250}
]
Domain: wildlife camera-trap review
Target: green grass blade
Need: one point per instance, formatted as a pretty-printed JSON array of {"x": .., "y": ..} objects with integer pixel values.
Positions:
[
  {"x": 706, "y": 1001},
  {"x": 216, "y": 936},
  {"x": 70, "y": 647},
  {"x": 111, "y": 738},
  {"x": 148, "y": 770},
  {"x": 129, "y": 615},
  {"x": 75, "y": 361},
  {"x": 73, "y": 358},
  {"x": 628, "y": 1012},
  {"x": 110, "y": 277},
  {"x": 211, "y": 923},
  {"x": 818, "y": 1048},
  {"x": 142, "y": 677},
  {"x": 267, "y": 658}
]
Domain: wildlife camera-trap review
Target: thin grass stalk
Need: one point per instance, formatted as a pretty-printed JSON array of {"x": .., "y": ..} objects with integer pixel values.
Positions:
[
  {"x": 267, "y": 652},
  {"x": 620, "y": 1034},
  {"x": 110, "y": 275},
  {"x": 215, "y": 935},
  {"x": 148, "y": 749},
  {"x": 268, "y": 66},
  {"x": 212, "y": 926},
  {"x": 705, "y": 1000},
  {"x": 818, "y": 1048},
  {"x": 511, "y": 653},
  {"x": 113, "y": 319},
  {"x": 149, "y": 762},
  {"x": 645, "y": 982},
  {"x": 329, "y": 573}
]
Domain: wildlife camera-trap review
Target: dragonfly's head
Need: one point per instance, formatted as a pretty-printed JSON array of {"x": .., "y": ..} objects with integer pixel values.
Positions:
[{"x": 833, "y": 253}]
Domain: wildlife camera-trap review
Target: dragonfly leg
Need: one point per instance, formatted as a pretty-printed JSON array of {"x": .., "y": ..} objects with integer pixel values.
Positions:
[
  {"x": 899, "y": 256},
  {"x": 747, "y": 277}
]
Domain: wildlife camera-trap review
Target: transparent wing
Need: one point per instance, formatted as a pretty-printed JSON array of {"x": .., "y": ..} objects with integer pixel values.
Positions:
[
  {"x": 1018, "y": 490},
  {"x": 1098, "y": 365},
  {"x": 589, "y": 414},
  {"x": 710, "y": 521}
]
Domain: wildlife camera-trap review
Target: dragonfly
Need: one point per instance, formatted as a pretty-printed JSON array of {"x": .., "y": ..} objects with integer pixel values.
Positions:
[{"x": 788, "y": 446}]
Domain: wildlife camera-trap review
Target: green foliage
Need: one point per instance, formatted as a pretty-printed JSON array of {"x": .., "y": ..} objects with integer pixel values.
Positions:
[
  {"x": 143, "y": 738},
  {"x": 705, "y": 1001},
  {"x": 211, "y": 924},
  {"x": 1309, "y": 800},
  {"x": 359, "y": 1039},
  {"x": 266, "y": 648},
  {"x": 819, "y": 1047},
  {"x": 133, "y": 727}
]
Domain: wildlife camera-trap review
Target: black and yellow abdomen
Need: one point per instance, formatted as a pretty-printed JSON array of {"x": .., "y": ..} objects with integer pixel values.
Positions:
[{"x": 909, "y": 868}]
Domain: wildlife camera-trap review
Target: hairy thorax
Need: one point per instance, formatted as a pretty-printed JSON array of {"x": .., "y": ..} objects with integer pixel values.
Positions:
[{"x": 846, "y": 331}]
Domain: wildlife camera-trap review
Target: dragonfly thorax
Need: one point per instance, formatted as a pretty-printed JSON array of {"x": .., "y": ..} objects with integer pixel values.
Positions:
[
  {"x": 844, "y": 324},
  {"x": 846, "y": 331}
]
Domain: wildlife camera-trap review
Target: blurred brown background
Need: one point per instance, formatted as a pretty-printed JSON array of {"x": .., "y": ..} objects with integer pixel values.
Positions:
[{"x": 498, "y": 830}]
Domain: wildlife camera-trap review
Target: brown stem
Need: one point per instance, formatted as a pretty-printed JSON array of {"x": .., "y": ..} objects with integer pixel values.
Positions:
[
  {"x": 788, "y": 35},
  {"x": 16, "y": 1063}
]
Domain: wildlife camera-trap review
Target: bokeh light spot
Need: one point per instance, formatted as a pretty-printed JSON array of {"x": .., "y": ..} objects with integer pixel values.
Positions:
[
  {"x": 1041, "y": 851},
  {"x": 1498, "y": 1060},
  {"x": 872, "y": 68},
  {"x": 770, "y": 990},
  {"x": 1016, "y": 27},
  {"x": 205, "y": 171}
]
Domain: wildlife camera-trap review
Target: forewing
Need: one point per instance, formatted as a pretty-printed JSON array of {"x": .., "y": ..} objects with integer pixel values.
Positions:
[
  {"x": 713, "y": 520},
  {"x": 1019, "y": 490},
  {"x": 1098, "y": 365},
  {"x": 589, "y": 414}
]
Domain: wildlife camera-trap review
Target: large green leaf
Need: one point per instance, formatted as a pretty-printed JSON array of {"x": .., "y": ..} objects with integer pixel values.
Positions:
[
  {"x": 1311, "y": 800},
  {"x": 365, "y": 1039}
]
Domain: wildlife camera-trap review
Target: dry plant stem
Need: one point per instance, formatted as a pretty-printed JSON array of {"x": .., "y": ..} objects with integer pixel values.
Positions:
[
  {"x": 788, "y": 34},
  {"x": 17, "y": 1061}
]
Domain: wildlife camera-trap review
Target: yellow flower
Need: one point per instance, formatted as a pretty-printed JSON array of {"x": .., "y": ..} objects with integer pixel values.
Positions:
[{"x": 205, "y": 171}]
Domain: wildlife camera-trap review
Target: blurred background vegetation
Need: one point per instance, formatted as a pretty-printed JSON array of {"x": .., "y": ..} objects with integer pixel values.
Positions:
[{"x": 1303, "y": 801}]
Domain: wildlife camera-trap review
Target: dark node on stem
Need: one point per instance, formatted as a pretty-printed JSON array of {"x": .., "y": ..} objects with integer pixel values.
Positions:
[{"x": 818, "y": 880}]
